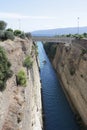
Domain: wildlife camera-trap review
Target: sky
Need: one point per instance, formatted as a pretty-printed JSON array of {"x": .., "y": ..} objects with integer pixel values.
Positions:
[{"x": 30, "y": 15}]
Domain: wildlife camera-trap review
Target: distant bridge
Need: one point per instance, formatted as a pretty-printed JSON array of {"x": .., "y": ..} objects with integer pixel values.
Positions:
[{"x": 53, "y": 39}]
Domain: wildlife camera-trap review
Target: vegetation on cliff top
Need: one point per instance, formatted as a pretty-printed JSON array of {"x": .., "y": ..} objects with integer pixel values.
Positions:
[
  {"x": 2, "y": 25},
  {"x": 77, "y": 36},
  {"x": 5, "y": 65},
  {"x": 10, "y": 33},
  {"x": 5, "y": 34}
]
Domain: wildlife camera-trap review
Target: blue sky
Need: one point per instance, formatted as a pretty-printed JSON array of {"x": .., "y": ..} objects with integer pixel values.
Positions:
[{"x": 30, "y": 15}]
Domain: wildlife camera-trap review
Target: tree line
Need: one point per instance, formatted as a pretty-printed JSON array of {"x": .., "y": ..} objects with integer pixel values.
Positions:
[{"x": 9, "y": 33}]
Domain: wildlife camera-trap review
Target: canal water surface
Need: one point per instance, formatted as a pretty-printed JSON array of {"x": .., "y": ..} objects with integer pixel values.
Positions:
[{"x": 57, "y": 112}]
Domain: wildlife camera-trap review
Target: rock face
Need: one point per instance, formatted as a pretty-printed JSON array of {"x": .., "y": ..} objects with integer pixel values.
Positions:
[
  {"x": 70, "y": 62},
  {"x": 21, "y": 107}
]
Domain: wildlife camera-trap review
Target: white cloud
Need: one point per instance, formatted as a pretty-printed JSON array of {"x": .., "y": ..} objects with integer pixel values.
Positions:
[{"x": 19, "y": 16}]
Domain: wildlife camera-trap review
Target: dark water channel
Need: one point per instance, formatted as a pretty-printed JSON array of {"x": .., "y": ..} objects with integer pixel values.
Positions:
[{"x": 57, "y": 112}]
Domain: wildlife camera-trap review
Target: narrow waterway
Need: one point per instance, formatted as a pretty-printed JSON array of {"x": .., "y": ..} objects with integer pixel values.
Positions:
[{"x": 57, "y": 112}]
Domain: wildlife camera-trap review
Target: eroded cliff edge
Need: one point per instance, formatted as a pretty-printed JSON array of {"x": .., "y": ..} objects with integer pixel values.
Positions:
[
  {"x": 70, "y": 63},
  {"x": 21, "y": 107}
]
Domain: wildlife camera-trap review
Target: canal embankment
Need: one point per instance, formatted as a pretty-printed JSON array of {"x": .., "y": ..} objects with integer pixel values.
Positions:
[{"x": 70, "y": 62}]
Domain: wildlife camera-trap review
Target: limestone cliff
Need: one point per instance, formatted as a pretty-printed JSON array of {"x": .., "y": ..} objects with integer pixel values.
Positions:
[
  {"x": 20, "y": 107},
  {"x": 70, "y": 62}
]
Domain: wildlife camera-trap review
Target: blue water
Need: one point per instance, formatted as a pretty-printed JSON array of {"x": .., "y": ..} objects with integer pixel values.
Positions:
[{"x": 58, "y": 114}]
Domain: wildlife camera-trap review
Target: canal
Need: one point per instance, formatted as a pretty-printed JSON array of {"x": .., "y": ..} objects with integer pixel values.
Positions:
[{"x": 57, "y": 112}]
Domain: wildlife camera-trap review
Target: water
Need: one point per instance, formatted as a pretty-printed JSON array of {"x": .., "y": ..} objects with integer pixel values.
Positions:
[{"x": 58, "y": 114}]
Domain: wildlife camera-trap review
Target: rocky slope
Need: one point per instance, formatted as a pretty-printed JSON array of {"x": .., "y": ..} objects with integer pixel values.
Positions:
[
  {"x": 20, "y": 107},
  {"x": 70, "y": 62}
]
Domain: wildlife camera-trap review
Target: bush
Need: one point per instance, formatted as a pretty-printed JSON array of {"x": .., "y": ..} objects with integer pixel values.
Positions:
[
  {"x": 28, "y": 62},
  {"x": 2, "y": 35},
  {"x": 21, "y": 78},
  {"x": 81, "y": 75},
  {"x": 17, "y": 32},
  {"x": 85, "y": 35},
  {"x": 5, "y": 71},
  {"x": 9, "y": 29},
  {"x": 9, "y": 35},
  {"x": 2, "y": 25},
  {"x": 69, "y": 35},
  {"x": 22, "y": 35},
  {"x": 83, "y": 52},
  {"x": 72, "y": 71},
  {"x": 78, "y": 36},
  {"x": 35, "y": 49}
]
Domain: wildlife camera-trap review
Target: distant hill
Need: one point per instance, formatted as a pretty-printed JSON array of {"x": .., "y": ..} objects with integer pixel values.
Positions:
[{"x": 59, "y": 31}]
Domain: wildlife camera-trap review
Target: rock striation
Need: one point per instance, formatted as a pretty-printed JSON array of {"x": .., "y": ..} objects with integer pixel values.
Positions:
[{"x": 21, "y": 107}]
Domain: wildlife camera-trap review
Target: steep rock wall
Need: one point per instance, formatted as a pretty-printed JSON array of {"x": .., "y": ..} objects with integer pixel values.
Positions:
[
  {"x": 21, "y": 108},
  {"x": 70, "y": 62}
]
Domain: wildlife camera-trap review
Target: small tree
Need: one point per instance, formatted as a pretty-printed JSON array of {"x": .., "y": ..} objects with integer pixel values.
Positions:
[
  {"x": 17, "y": 32},
  {"x": 85, "y": 35},
  {"x": 2, "y": 25},
  {"x": 84, "y": 51},
  {"x": 28, "y": 62},
  {"x": 5, "y": 71},
  {"x": 9, "y": 29},
  {"x": 22, "y": 35},
  {"x": 21, "y": 78},
  {"x": 2, "y": 35},
  {"x": 9, "y": 35}
]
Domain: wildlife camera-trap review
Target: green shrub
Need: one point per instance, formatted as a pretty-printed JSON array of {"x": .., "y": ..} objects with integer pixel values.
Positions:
[
  {"x": 28, "y": 62},
  {"x": 72, "y": 71},
  {"x": 35, "y": 49},
  {"x": 22, "y": 35},
  {"x": 17, "y": 32},
  {"x": 2, "y": 35},
  {"x": 81, "y": 75},
  {"x": 9, "y": 35},
  {"x": 21, "y": 78},
  {"x": 83, "y": 52},
  {"x": 9, "y": 29},
  {"x": 2, "y": 25},
  {"x": 85, "y": 35},
  {"x": 69, "y": 35},
  {"x": 5, "y": 71}
]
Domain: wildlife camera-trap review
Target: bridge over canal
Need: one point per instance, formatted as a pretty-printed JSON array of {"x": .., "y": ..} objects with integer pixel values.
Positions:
[{"x": 53, "y": 39}]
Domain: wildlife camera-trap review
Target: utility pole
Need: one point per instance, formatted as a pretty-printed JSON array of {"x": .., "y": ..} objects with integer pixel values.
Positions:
[
  {"x": 19, "y": 23},
  {"x": 77, "y": 25}
]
